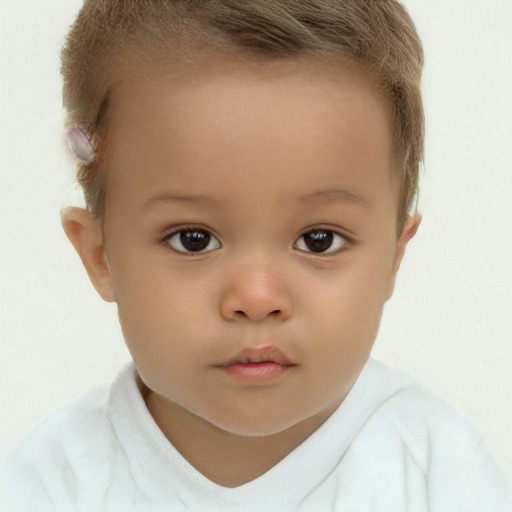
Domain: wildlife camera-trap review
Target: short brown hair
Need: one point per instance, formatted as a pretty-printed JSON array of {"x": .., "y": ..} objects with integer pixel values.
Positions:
[{"x": 378, "y": 35}]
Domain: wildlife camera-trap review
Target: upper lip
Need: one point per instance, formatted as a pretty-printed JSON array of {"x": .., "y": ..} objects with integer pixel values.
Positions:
[{"x": 259, "y": 354}]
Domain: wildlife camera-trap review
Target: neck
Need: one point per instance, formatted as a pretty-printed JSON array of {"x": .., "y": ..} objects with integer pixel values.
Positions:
[{"x": 243, "y": 458}]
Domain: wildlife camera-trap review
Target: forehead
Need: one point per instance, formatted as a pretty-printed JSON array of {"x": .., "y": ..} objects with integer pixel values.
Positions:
[{"x": 284, "y": 124}]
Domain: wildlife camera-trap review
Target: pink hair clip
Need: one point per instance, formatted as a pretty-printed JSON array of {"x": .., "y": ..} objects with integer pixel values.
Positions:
[{"x": 80, "y": 144}]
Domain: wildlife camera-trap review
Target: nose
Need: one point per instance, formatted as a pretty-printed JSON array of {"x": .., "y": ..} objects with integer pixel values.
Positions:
[{"x": 256, "y": 291}]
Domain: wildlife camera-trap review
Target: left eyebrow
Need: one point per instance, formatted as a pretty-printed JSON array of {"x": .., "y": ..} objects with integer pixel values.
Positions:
[{"x": 335, "y": 194}]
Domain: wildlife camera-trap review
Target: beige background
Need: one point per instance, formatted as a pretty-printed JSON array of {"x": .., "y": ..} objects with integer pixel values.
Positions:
[{"x": 450, "y": 319}]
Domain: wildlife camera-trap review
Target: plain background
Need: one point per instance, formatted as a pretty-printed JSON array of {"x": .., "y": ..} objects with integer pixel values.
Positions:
[{"x": 450, "y": 319}]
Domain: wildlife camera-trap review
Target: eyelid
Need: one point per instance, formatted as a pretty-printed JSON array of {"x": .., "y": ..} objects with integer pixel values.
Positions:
[{"x": 167, "y": 232}]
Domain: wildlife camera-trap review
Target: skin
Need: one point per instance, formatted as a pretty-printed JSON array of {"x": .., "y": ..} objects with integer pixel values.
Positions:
[{"x": 270, "y": 156}]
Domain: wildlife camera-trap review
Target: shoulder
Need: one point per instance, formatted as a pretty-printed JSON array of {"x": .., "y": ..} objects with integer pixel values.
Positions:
[
  {"x": 73, "y": 444},
  {"x": 422, "y": 418},
  {"x": 443, "y": 444}
]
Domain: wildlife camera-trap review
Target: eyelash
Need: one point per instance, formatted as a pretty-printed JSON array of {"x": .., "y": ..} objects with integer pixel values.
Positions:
[{"x": 345, "y": 242}]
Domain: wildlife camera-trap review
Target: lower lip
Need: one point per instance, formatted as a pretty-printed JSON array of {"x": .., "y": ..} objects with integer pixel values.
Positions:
[{"x": 256, "y": 372}]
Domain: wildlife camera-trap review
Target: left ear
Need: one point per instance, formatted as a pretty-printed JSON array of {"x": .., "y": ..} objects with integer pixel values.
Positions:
[{"x": 409, "y": 230}]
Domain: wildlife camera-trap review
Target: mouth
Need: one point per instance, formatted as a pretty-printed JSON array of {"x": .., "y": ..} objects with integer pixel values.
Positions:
[{"x": 256, "y": 364}]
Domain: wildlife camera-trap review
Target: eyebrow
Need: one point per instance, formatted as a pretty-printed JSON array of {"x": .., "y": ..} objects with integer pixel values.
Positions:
[
  {"x": 335, "y": 194},
  {"x": 179, "y": 198},
  {"x": 330, "y": 194}
]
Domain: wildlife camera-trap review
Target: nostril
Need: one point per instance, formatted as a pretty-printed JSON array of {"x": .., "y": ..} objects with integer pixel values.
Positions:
[{"x": 241, "y": 312}]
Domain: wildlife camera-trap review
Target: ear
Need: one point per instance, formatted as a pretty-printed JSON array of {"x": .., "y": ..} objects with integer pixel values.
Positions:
[
  {"x": 410, "y": 228},
  {"x": 84, "y": 231}
]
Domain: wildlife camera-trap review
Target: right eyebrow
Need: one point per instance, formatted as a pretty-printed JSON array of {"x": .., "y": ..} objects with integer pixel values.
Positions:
[{"x": 169, "y": 197}]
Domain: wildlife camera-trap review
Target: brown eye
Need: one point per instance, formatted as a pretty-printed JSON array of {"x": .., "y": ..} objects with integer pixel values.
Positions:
[
  {"x": 193, "y": 241},
  {"x": 322, "y": 241}
]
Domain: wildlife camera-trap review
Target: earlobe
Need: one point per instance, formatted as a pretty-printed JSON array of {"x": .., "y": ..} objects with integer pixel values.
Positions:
[
  {"x": 409, "y": 230},
  {"x": 85, "y": 233}
]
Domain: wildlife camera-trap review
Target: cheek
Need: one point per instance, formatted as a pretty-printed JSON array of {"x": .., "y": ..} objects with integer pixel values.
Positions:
[
  {"x": 166, "y": 317},
  {"x": 349, "y": 309},
  {"x": 161, "y": 334},
  {"x": 358, "y": 289}
]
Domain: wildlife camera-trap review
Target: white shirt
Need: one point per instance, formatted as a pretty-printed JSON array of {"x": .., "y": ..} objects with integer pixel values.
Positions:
[{"x": 391, "y": 446}]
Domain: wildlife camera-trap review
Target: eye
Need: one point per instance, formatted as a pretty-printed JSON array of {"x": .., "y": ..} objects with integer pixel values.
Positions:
[
  {"x": 321, "y": 241},
  {"x": 192, "y": 240}
]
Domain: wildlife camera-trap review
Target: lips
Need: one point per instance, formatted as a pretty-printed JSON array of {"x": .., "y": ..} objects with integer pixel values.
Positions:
[
  {"x": 257, "y": 365},
  {"x": 255, "y": 355}
]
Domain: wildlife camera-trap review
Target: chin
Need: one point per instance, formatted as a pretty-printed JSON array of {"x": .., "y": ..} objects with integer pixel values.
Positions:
[
  {"x": 254, "y": 426},
  {"x": 254, "y": 430}
]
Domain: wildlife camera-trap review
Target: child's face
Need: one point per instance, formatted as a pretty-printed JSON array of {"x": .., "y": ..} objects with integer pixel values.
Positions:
[{"x": 249, "y": 212}]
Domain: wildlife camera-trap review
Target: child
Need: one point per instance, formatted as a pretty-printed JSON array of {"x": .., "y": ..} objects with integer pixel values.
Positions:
[{"x": 250, "y": 169}]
